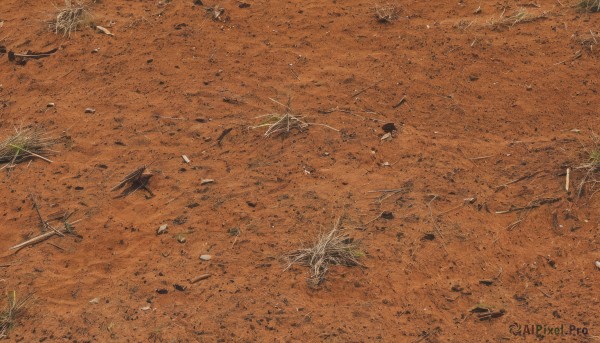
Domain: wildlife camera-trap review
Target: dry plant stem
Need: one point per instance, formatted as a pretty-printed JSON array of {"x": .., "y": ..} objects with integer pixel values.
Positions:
[
  {"x": 65, "y": 229},
  {"x": 434, "y": 223},
  {"x": 136, "y": 180}
]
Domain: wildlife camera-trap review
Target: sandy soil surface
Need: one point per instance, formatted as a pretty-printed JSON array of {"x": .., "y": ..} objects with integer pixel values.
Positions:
[{"x": 491, "y": 119}]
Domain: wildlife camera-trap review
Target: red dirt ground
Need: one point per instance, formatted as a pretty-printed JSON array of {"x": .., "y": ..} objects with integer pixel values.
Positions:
[{"x": 483, "y": 107}]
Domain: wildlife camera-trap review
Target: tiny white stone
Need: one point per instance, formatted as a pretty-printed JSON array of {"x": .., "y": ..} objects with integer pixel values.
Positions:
[
  {"x": 205, "y": 257},
  {"x": 95, "y": 301},
  {"x": 162, "y": 229}
]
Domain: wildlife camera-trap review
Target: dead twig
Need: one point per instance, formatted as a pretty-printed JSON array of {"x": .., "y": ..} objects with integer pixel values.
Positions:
[
  {"x": 138, "y": 179},
  {"x": 525, "y": 177},
  {"x": 534, "y": 204},
  {"x": 67, "y": 228}
]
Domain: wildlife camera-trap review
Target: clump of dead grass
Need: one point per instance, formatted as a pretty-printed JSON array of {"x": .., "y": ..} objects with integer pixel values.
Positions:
[
  {"x": 591, "y": 168},
  {"x": 587, "y": 41},
  {"x": 589, "y": 5},
  {"x": 25, "y": 144},
  {"x": 72, "y": 17},
  {"x": 386, "y": 14},
  {"x": 333, "y": 248},
  {"x": 521, "y": 15},
  {"x": 278, "y": 124},
  {"x": 10, "y": 314}
]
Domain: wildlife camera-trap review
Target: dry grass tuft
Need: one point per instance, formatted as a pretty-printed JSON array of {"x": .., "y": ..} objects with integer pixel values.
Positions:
[
  {"x": 277, "y": 124},
  {"x": 591, "y": 168},
  {"x": 386, "y": 14},
  {"x": 9, "y": 315},
  {"x": 519, "y": 16},
  {"x": 589, "y": 5},
  {"x": 281, "y": 123},
  {"x": 72, "y": 17},
  {"x": 25, "y": 144},
  {"x": 333, "y": 248},
  {"x": 587, "y": 41}
]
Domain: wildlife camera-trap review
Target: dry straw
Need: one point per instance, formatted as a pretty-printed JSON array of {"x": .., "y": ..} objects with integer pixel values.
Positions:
[
  {"x": 70, "y": 18},
  {"x": 24, "y": 145},
  {"x": 332, "y": 248},
  {"x": 277, "y": 123},
  {"x": 386, "y": 13},
  {"x": 13, "y": 309},
  {"x": 519, "y": 16},
  {"x": 591, "y": 167}
]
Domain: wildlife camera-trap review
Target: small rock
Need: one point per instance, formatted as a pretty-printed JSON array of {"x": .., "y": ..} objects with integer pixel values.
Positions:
[
  {"x": 598, "y": 264},
  {"x": 206, "y": 181},
  {"x": 95, "y": 301},
  {"x": 162, "y": 291},
  {"x": 473, "y": 77},
  {"x": 179, "y": 287},
  {"x": 251, "y": 203},
  {"x": 185, "y": 159},
  {"x": 389, "y": 127},
  {"x": 145, "y": 308},
  {"x": 50, "y": 105},
  {"x": 429, "y": 236},
  {"x": 181, "y": 238},
  {"x": 198, "y": 3},
  {"x": 162, "y": 229},
  {"x": 90, "y": 110},
  {"x": 456, "y": 288},
  {"x": 386, "y": 136},
  {"x": 205, "y": 257},
  {"x": 387, "y": 215}
]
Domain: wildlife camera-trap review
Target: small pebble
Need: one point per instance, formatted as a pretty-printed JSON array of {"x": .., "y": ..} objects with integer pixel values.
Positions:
[
  {"x": 90, "y": 110},
  {"x": 181, "y": 238},
  {"x": 162, "y": 229},
  {"x": 50, "y": 104},
  {"x": 95, "y": 301},
  {"x": 206, "y": 181},
  {"x": 598, "y": 264},
  {"x": 387, "y": 215},
  {"x": 205, "y": 257}
]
